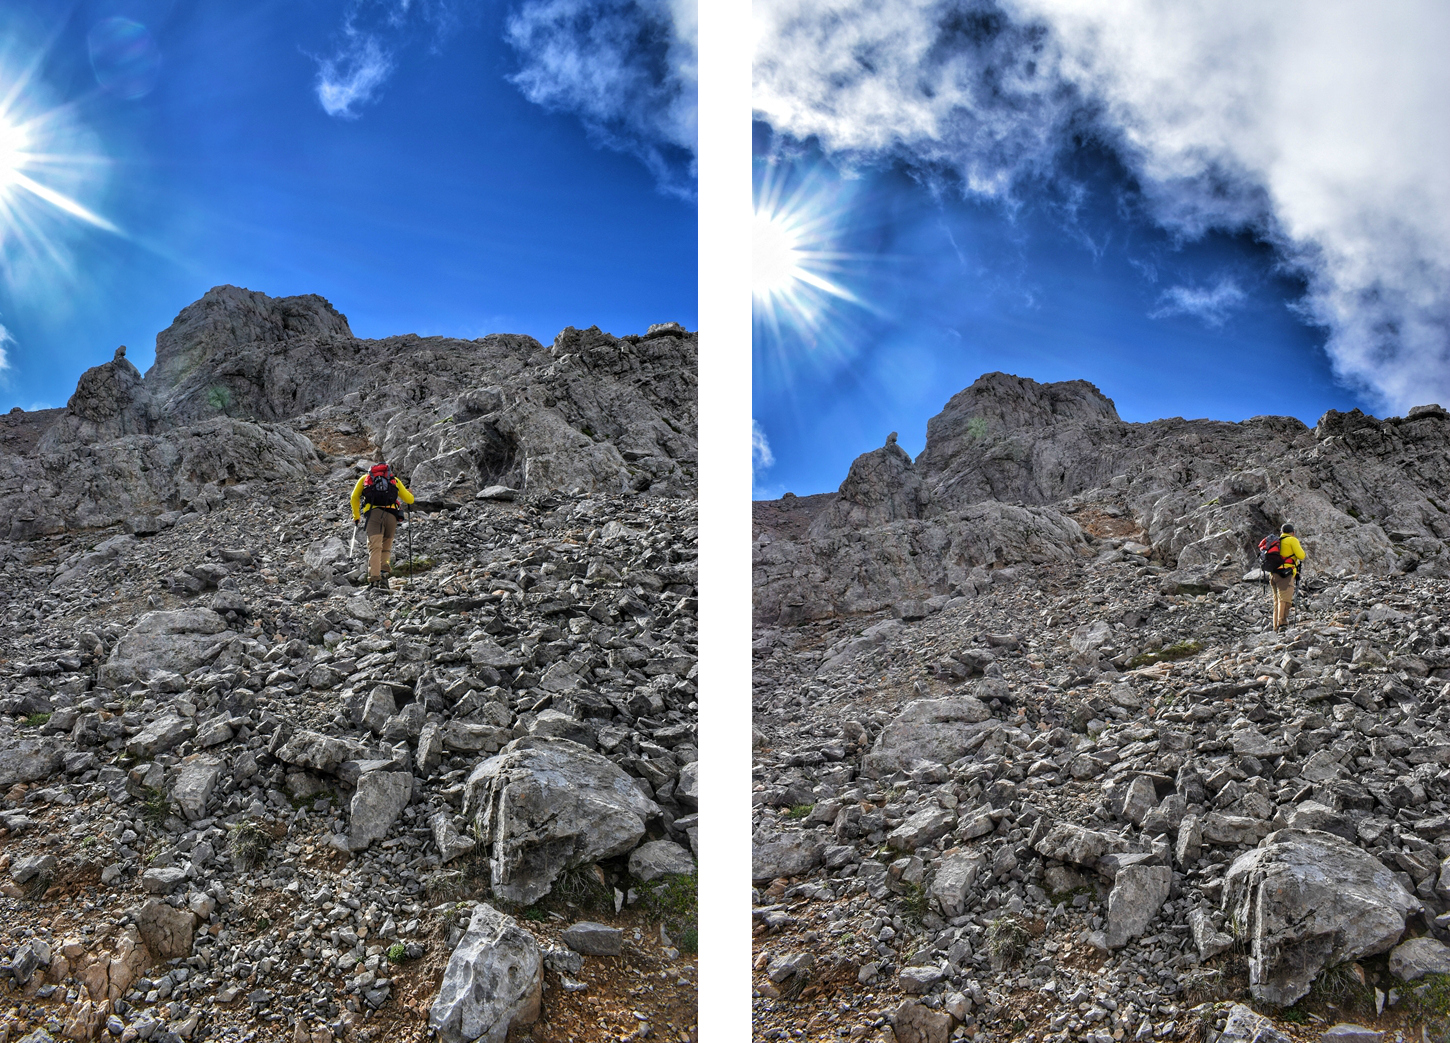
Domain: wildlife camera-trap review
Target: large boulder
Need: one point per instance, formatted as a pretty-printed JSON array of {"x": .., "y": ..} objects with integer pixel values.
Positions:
[
  {"x": 493, "y": 982},
  {"x": 29, "y": 760},
  {"x": 937, "y": 730},
  {"x": 543, "y": 805},
  {"x": 1307, "y": 900},
  {"x": 167, "y": 932},
  {"x": 178, "y": 640},
  {"x": 379, "y": 799}
]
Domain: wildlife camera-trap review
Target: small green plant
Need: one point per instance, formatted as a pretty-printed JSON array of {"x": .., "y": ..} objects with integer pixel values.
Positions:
[
  {"x": 1173, "y": 653},
  {"x": 156, "y": 806},
  {"x": 913, "y": 903},
  {"x": 397, "y": 952},
  {"x": 535, "y": 913},
  {"x": 674, "y": 900},
  {"x": 1430, "y": 999},
  {"x": 219, "y": 397},
  {"x": 1201, "y": 984},
  {"x": 1006, "y": 941},
  {"x": 413, "y": 566},
  {"x": 1343, "y": 986},
  {"x": 262, "y": 924},
  {"x": 249, "y": 842},
  {"x": 977, "y": 428},
  {"x": 585, "y": 887},
  {"x": 1353, "y": 512},
  {"x": 1294, "y": 1015},
  {"x": 35, "y": 720},
  {"x": 801, "y": 810}
]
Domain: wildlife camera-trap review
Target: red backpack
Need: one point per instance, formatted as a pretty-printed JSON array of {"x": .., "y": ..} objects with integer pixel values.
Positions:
[
  {"x": 1270, "y": 560},
  {"x": 381, "y": 488}
]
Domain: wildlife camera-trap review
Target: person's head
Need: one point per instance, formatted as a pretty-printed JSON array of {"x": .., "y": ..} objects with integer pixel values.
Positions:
[{"x": 1286, "y": 529}]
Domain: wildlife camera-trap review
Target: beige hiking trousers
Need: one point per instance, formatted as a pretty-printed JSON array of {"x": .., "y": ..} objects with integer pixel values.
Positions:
[
  {"x": 1283, "y": 588},
  {"x": 382, "y": 527}
]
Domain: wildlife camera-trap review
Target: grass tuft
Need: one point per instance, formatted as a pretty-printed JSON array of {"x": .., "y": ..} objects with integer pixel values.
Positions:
[
  {"x": 674, "y": 900},
  {"x": 1171, "y": 654},
  {"x": 249, "y": 843},
  {"x": 1006, "y": 941},
  {"x": 35, "y": 720},
  {"x": 801, "y": 810}
]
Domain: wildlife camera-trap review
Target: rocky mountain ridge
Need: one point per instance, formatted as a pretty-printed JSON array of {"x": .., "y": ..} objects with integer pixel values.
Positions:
[
  {"x": 245, "y": 799},
  {"x": 1036, "y": 768},
  {"x": 1012, "y": 467}
]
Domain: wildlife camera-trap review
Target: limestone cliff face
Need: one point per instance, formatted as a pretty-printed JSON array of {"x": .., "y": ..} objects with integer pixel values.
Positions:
[
  {"x": 1367, "y": 495},
  {"x": 243, "y": 383}
]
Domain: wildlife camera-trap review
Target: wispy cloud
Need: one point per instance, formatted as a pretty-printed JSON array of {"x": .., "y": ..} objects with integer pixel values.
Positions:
[
  {"x": 628, "y": 69},
  {"x": 1318, "y": 127},
  {"x": 6, "y": 339},
  {"x": 352, "y": 77},
  {"x": 1211, "y": 304},
  {"x": 761, "y": 460}
]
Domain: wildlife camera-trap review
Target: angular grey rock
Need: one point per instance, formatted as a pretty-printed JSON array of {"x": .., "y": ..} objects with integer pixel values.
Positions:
[
  {"x": 29, "y": 760},
  {"x": 195, "y": 781},
  {"x": 956, "y": 876},
  {"x": 1209, "y": 939},
  {"x": 1069, "y": 842},
  {"x": 1414, "y": 958},
  {"x": 1305, "y": 900},
  {"x": 918, "y": 981},
  {"x": 1346, "y": 1032},
  {"x": 380, "y": 798},
  {"x": 163, "y": 881},
  {"x": 493, "y": 982},
  {"x": 1233, "y": 829},
  {"x": 472, "y": 738},
  {"x": 379, "y": 707},
  {"x": 1137, "y": 895},
  {"x": 167, "y": 932},
  {"x": 24, "y": 870},
  {"x": 793, "y": 853},
  {"x": 1244, "y": 1025},
  {"x": 430, "y": 749},
  {"x": 593, "y": 939},
  {"x": 687, "y": 787},
  {"x": 177, "y": 640},
  {"x": 936, "y": 730},
  {"x": 326, "y": 753},
  {"x": 915, "y": 1022},
  {"x": 545, "y": 805},
  {"x": 160, "y": 735},
  {"x": 653, "y": 860},
  {"x": 923, "y": 827},
  {"x": 450, "y": 843}
]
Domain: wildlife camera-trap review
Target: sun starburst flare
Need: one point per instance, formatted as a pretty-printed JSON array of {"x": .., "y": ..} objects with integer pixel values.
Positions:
[
  {"x": 798, "y": 271},
  {"x": 47, "y": 161}
]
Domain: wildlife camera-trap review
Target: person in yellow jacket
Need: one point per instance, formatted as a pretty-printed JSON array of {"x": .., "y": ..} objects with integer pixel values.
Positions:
[
  {"x": 1281, "y": 581},
  {"x": 380, "y": 496}
]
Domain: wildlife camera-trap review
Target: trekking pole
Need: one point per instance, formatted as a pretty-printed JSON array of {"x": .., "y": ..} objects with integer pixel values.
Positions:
[{"x": 411, "y": 563}]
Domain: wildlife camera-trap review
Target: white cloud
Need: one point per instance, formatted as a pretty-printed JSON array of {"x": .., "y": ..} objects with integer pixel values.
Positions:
[
  {"x": 351, "y": 78},
  {"x": 627, "y": 68},
  {"x": 761, "y": 457},
  {"x": 1318, "y": 125},
  {"x": 1212, "y": 304},
  {"x": 6, "y": 338}
]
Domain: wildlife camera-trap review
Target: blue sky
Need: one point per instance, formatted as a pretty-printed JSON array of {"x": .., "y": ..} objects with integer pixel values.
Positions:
[
  {"x": 428, "y": 167},
  {"x": 1205, "y": 211}
]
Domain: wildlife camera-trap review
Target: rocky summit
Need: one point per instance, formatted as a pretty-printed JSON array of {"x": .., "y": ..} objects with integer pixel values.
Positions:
[
  {"x": 1031, "y": 763},
  {"x": 248, "y": 798}
]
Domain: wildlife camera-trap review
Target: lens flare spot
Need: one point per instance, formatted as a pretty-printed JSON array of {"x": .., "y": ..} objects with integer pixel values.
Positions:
[{"x": 124, "y": 57}]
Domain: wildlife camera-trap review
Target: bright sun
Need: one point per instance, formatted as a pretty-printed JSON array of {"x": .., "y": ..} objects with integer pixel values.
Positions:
[
  {"x": 776, "y": 259},
  {"x": 13, "y": 141}
]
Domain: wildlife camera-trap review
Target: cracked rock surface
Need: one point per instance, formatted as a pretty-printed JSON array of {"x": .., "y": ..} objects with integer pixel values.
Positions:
[
  {"x": 234, "y": 780},
  {"x": 1070, "y": 785}
]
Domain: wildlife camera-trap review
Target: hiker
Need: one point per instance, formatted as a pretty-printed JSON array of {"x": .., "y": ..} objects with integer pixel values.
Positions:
[
  {"x": 1280, "y": 557},
  {"x": 376, "y": 495}
]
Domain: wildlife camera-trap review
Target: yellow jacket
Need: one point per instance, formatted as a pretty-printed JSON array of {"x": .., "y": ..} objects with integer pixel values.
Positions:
[
  {"x": 1289, "y": 549},
  {"x": 359, "y": 508}
]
